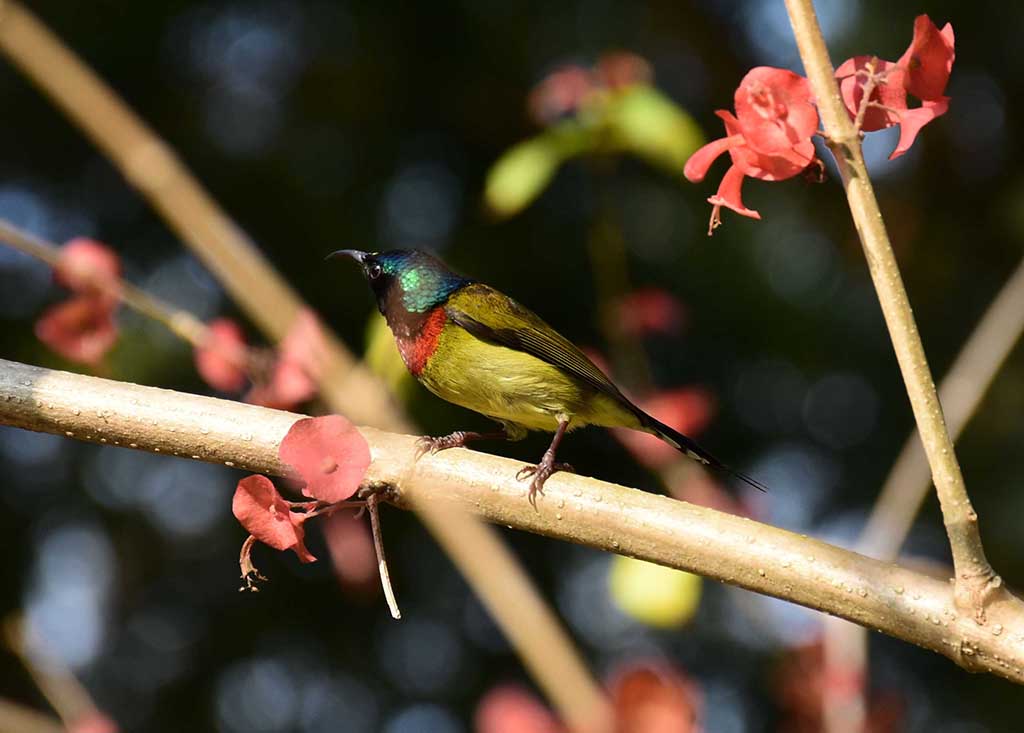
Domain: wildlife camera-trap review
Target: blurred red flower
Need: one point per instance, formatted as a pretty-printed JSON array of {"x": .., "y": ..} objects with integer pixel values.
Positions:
[
  {"x": 83, "y": 328},
  {"x": 922, "y": 71},
  {"x": 686, "y": 409},
  {"x": 266, "y": 515},
  {"x": 652, "y": 697},
  {"x": 88, "y": 267},
  {"x": 620, "y": 69},
  {"x": 93, "y": 721},
  {"x": 352, "y": 553},
  {"x": 560, "y": 93},
  {"x": 646, "y": 697},
  {"x": 329, "y": 454},
  {"x": 221, "y": 360},
  {"x": 770, "y": 139},
  {"x": 510, "y": 708},
  {"x": 800, "y": 682},
  {"x": 649, "y": 311},
  {"x": 296, "y": 373},
  {"x": 80, "y": 329}
]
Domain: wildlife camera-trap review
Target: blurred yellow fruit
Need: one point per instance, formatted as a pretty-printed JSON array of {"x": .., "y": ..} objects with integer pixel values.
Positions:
[{"x": 653, "y": 594}]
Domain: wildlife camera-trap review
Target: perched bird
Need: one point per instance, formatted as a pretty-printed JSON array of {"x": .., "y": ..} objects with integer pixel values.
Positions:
[{"x": 476, "y": 347}]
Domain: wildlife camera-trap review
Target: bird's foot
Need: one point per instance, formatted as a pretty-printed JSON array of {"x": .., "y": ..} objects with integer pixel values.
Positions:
[
  {"x": 428, "y": 444},
  {"x": 541, "y": 473}
]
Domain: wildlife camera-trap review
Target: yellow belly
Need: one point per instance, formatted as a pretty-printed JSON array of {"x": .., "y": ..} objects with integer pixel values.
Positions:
[{"x": 512, "y": 386}]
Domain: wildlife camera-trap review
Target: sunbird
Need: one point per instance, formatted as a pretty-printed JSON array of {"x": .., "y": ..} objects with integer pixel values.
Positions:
[{"x": 476, "y": 347}]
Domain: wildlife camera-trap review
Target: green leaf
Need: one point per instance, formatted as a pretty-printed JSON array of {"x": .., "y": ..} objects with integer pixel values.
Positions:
[
  {"x": 523, "y": 172},
  {"x": 643, "y": 121}
]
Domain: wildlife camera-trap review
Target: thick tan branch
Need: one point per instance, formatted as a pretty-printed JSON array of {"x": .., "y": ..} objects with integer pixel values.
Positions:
[
  {"x": 976, "y": 582},
  {"x": 886, "y": 597}
]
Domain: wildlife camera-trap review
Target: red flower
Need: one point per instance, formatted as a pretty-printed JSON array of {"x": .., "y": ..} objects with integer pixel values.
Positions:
[
  {"x": 329, "y": 454},
  {"x": 889, "y": 96},
  {"x": 776, "y": 109},
  {"x": 649, "y": 310},
  {"x": 352, "y": 554},
  {"x": 80, "y": 329},
  {"x": 654, "y": 698},
  {"x": 770, "y": 140},
  {"x": 620, "y": 69},
  {"x": 221, "y": 360},
  {"x": 685, "y": 409},
  {"x": 560, "y": 93},
  {"x": 923, "y": 71},
  {"x": 268, "y": 518},
  {"x": 88, "y": 267},
  {"x": 298, "y": 368},
  {"x": 510, "y": 708}
]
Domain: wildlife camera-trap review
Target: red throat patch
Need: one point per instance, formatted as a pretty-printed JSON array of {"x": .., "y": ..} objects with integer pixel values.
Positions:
[{"x": 416, "y": 350}]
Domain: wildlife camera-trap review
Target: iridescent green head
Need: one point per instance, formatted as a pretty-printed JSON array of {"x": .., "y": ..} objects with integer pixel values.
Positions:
[{"x": 406, "y": 280}]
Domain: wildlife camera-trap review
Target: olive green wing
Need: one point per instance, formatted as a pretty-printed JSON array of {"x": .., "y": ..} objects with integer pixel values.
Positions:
[{"x": 493, "y": 316}]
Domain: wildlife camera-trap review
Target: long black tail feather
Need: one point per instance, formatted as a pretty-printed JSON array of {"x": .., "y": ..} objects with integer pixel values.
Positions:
[{"x": 690, "y": 447}]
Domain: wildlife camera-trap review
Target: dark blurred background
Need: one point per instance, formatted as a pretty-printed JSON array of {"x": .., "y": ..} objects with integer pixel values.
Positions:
[{"x": 321, "y": 125}]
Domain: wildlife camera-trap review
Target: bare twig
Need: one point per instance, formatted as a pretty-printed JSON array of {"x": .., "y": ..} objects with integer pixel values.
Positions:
[
  {"x": 869, "y": 88},
  {"x": 976, "y": 584},
  {"x": 962, "y": 391},
  {"x": 382, "y": 563},
  {"x": 894, "y": 600}
]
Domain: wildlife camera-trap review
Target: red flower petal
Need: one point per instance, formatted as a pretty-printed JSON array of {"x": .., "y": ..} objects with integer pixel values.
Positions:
[
  {"x": 654, "y": 698},
  {"x": 775, "y": 108},
  {"x": 685, "y": 409},
  {"x": 89, "y": 267},
  {"x": 512, "y": 709},
  {"x": 622, "y": 69},
  {"x": 80, "y": 329},
  {"x": 267, "y": 517},
  {"x": 912, "y": 120},
  {"x": 560, "y": 93},
  {"x": 93, "y": 721},
  {"x": 889, "y": 91},
  {"x": 352, "y": 552},
  {"x": 698, "y": 164},
  {"x": 929, "y": 59},
  {"x": 299, "y": 366},
  {"x": 649, "y": 310},
  {"x": 220, "y": 361},
  {"x": 729, "y": 191},
  {"x": 329, "y": 454},
  {"x": 787, "y": 163}
]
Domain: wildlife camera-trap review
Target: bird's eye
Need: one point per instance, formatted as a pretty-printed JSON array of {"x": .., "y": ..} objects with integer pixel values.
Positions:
[{"x": 373, "y": 272}]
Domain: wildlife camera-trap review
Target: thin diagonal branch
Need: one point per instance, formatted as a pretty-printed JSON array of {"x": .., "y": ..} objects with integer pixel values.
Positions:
[
  {"x": 180, "y": 322},
  {"x": 961, "y": 393},
  {"x": 348, "y": 387},
  {"x": 152, "y": 167},
  {"x": 976, "y": 583},
  {"x": 908, "y": 482},
  {"x": 894, "y": 600}
]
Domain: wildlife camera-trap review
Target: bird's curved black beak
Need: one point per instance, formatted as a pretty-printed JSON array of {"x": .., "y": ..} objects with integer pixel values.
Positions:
[{"x": 355, "y": 254}]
